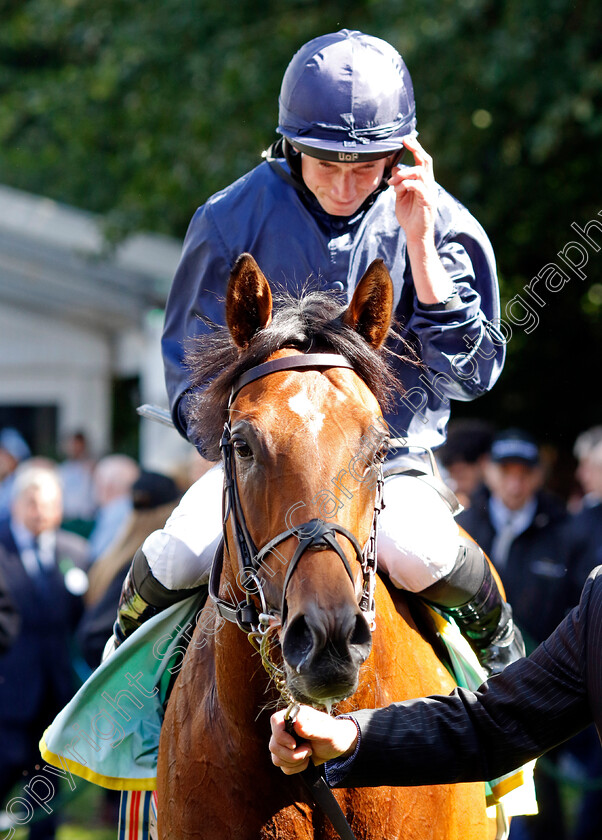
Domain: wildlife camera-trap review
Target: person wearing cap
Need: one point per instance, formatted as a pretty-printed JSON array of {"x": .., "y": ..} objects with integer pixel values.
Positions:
[
  {"x": 523, "y": 529},
  {"x": 327, "y": 200}
]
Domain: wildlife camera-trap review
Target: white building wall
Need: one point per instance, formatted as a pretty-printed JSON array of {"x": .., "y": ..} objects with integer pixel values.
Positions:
[
  {"x": 162, "y": 449},
  {"x": 52, "y": 362},
  {"x": 70, "y": 324}
]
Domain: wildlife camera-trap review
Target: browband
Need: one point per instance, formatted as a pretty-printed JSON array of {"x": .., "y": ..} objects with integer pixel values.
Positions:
[{"x": 297, "y": 362}]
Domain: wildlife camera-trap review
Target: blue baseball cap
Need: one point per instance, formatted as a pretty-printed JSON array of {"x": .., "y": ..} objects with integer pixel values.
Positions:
[
  {"x": 13, "y": 442},
  {"x": 515, "y": 445}
]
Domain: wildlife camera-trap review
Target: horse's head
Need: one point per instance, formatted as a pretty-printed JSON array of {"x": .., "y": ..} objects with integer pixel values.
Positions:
[{"x": 304, "y": 451}]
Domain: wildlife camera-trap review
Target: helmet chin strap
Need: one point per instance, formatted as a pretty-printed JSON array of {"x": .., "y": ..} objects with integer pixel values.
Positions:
[
  {"x": 394, "y": 159},
  {"x": 281, "y": 148}
]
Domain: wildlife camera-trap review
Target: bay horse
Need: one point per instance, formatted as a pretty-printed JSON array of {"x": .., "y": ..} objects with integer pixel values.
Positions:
[{"x": 298, "y": 387}]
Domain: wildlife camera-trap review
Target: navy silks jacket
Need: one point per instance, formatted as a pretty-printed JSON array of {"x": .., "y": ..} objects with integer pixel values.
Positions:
[{"x": 297, "y": 245}]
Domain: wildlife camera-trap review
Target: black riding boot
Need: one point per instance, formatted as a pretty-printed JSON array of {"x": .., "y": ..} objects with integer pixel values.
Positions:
[
  {"x": 142, "y": 597},
  {"x": 470, "y": 595}
]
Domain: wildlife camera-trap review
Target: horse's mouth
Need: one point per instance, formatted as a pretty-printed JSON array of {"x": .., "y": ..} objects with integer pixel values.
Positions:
[{"x": 315, "y": 690}]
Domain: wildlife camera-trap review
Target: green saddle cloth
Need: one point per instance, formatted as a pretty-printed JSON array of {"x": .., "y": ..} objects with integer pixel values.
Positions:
[{"x": 109, "y": 732}]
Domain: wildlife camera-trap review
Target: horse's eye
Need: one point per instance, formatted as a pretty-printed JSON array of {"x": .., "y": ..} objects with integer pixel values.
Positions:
[
  {"x": 381, "y": 452},
  {"x": 242, "y": 448}
]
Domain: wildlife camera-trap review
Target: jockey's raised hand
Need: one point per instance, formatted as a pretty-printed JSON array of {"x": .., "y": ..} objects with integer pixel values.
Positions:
[{"x": 416, "y": 211}]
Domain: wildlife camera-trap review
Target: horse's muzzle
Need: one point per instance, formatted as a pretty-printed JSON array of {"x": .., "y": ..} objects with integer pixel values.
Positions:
[{"x": 323, "y": 652}]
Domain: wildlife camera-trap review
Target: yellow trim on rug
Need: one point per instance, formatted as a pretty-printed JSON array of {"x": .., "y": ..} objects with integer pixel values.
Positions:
[{"x": 110, "y": 782}]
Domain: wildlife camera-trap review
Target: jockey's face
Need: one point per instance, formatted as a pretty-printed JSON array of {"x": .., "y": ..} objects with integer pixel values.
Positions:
[{"x": 341, "y": 188}]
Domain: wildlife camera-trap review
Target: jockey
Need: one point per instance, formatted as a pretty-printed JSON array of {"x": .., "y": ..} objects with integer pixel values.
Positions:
[{"x": 330, "y": 197}]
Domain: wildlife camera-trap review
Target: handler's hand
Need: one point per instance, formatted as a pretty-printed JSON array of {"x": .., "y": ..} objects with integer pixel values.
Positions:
[{"x": 323, "y": 737}]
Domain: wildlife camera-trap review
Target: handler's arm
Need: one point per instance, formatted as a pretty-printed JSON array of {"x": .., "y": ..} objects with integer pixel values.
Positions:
[
  {"x": 317, "y": 737},
  {"x": 535, "y": 704}
]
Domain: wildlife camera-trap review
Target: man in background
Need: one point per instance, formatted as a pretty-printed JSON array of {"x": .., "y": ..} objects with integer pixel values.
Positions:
[
  {"x": 585, "y": 532},
  {"x": 522, "y": 528},
  {"x": 44, "y": 568},
  {"x": 114, "y": 476},
  {"x": 77, "y": 478},
  {"x": 465, "y": 455}
]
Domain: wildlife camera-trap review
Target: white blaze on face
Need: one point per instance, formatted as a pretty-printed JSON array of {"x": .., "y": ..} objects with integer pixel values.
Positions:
[{"x": 301, "y": 405}]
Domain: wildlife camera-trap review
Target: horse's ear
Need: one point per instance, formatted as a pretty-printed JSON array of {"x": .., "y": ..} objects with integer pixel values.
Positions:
[
  {"x": 371, "y": 307},
  {"x": 248, "y": 301}
]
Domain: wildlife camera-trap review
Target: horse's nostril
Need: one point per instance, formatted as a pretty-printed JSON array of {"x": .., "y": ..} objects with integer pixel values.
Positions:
[
  {"x": 298, "y": 642},
  {"x": 307, "y": 643},
  {"x": 360, "y": 634}
]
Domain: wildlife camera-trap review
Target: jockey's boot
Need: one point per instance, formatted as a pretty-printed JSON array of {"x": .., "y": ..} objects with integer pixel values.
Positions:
[
  {"x": 470, "y": 595},
  {"x": 142, "y": 597}
]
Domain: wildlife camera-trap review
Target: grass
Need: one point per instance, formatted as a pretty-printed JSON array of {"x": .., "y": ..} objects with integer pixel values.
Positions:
[{"x": 84, "y": 815}]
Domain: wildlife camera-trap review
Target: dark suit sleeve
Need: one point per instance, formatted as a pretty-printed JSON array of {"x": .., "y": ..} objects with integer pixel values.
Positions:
[
  {"x": 9, "y": 617},
  {"x": 535, "y": 704},
  {"x": 96, "y": 626}
]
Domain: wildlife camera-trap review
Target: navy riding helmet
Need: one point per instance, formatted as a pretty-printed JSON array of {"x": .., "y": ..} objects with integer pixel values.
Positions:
[{"x": 347, "y": 97}]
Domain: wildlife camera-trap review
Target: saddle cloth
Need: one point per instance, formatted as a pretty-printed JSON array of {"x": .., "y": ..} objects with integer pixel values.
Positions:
[
  {"x": 109, "y": 732},
  {"x": 515, "y": 791},
  {"x": 137, "y": 815}
]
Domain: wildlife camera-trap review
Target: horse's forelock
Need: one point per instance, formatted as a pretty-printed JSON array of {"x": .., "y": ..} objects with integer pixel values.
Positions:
[{"x": 311, "y": 323}]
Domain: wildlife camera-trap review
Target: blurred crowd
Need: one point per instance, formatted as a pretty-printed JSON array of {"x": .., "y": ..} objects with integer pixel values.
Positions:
[
  {"x": 69, "y": 529},
  {"x": 543, "y": 544}
]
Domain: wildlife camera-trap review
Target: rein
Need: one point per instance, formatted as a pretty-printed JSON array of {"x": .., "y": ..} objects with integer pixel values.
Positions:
[{"x": 312, "y": 534}]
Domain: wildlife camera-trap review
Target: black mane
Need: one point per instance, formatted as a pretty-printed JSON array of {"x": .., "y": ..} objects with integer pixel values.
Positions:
[{"x": 311, "y": 323}]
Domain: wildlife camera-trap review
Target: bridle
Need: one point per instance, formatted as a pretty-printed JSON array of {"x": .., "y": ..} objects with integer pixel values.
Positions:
[{"x": 316, "y": 533}]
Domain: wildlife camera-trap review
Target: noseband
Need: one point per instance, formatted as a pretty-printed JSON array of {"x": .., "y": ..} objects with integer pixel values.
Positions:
[{"x": 315, "y": 534}]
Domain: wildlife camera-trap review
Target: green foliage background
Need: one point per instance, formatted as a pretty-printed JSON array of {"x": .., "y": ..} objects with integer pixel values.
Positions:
[{"x": 140, "y": 110}]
